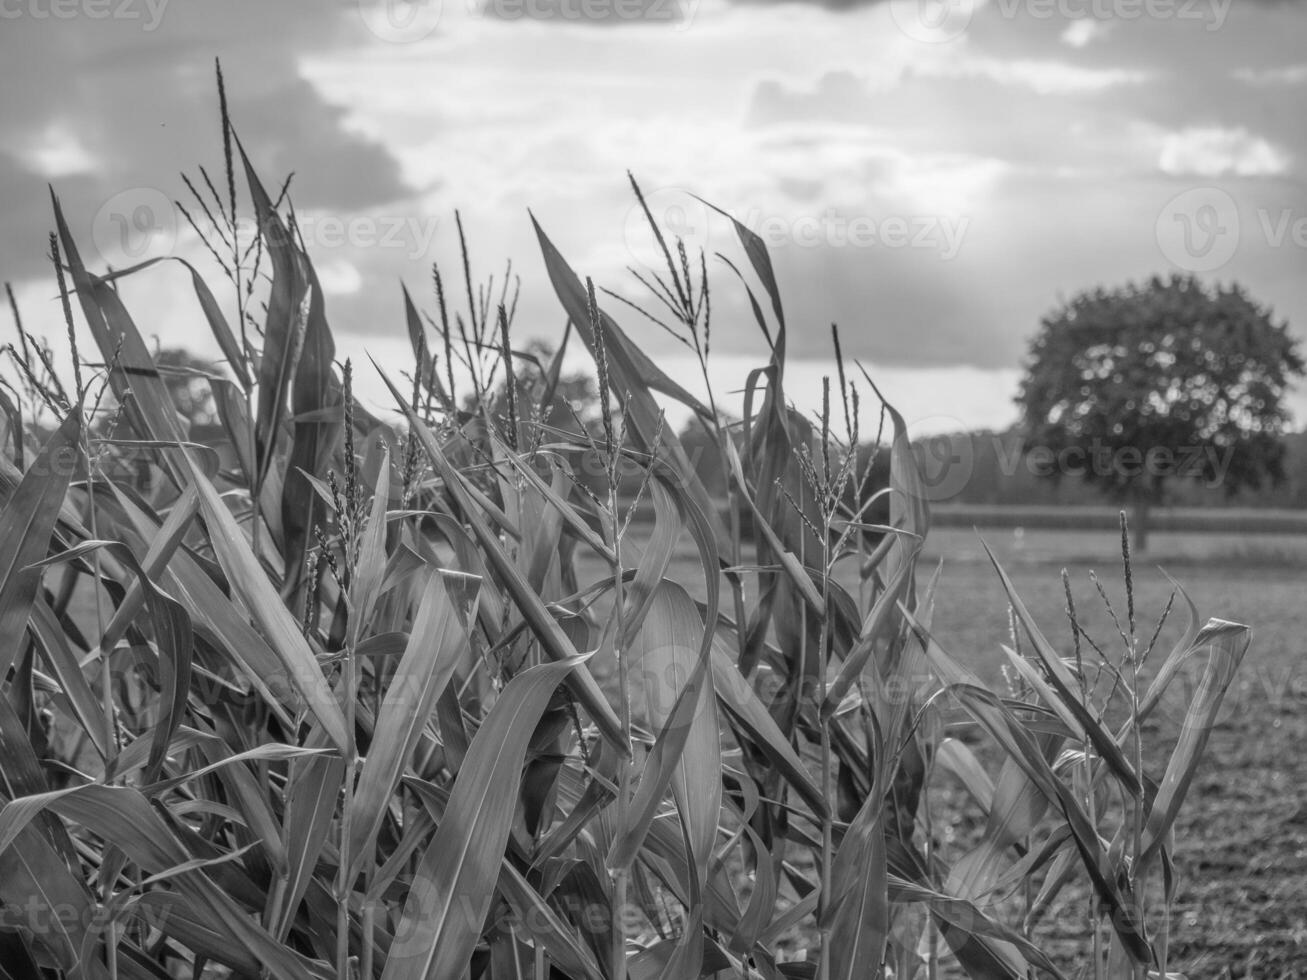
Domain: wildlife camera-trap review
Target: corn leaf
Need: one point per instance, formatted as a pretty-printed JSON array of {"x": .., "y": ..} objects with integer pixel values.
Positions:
[
  {"x": 1072, "y": 706},
  {"x": 299, "y": 668},
  {"x": 454, "y": 883},
  {"x": 26, "y": 525},
  {"x": 436, "y": 646},
  {"x": 551, "y": 636},
  {"x": 1228, "y": 642}
]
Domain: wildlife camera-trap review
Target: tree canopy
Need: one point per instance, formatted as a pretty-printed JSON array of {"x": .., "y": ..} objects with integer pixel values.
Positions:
[{"x": 1134, "y": 387}]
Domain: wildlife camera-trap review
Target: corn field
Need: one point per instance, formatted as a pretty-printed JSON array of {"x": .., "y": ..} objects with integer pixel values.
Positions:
[{"x": 412, "y": 695}]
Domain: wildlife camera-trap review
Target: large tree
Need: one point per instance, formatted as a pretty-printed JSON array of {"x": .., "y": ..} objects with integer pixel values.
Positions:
[{"x": 1133, "y": 387}]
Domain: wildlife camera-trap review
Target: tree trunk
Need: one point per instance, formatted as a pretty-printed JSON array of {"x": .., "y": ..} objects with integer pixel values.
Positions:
[{"x": 1139, "y": 525}]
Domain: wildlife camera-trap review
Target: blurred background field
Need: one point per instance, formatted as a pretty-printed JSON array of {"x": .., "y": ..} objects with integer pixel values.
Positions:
[{"x": 1242, "y": 842}]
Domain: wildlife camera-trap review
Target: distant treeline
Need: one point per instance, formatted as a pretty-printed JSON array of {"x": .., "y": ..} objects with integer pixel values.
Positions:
[{"x": 996, "y": 468}]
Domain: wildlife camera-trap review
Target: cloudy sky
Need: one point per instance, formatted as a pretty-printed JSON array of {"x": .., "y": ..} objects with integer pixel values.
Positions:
[{"x": 933, "y": 177}]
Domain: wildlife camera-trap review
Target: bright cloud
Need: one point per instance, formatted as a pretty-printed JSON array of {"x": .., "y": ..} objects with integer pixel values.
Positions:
[
  {"x": 1284, "y": 75},
  {"x": 58, "y": 152},
  {"x": 1215, "y": 152},
  {"x": 1085, "y": 30},
  {"x": 1046, "y": 77}
]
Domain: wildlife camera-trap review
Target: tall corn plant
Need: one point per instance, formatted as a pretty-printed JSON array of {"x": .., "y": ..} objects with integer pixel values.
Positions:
[{"x": 341, "y": 704}]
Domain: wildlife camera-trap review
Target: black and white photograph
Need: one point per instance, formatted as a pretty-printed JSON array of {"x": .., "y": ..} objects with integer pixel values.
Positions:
[{"x": 653, "y": 490}]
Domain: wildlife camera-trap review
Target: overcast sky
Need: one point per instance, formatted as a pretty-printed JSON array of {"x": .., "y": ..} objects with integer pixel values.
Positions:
[{"x": 933, "y": 177}]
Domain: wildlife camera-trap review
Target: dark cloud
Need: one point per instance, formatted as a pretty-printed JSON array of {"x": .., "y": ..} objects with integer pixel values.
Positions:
[
  {"x": 291, "y": 129},
  {"x": 142, "y": 105}
]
